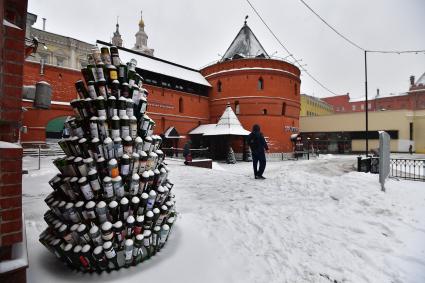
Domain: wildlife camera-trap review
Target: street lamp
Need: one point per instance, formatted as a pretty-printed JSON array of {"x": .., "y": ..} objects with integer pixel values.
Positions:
[{"x": 367, "y": 104}]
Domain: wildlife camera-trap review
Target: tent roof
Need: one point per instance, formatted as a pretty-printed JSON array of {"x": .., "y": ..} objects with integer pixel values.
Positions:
[
  {"x": 244, "y": 45},
  {"x": 227, "y": 125},
  {"x": 171, "y": 133},
  {"x": 202, "y": 129}
]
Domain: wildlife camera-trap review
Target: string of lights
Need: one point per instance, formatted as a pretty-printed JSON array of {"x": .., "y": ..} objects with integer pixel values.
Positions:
[{"x": 296, "y": 61}]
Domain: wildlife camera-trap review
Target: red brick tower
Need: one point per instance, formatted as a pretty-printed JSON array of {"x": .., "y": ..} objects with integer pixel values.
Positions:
[{"x": 261, "y": 90}]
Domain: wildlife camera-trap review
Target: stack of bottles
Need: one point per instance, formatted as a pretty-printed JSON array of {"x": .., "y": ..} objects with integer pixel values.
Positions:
[{"x": 112, "y": 203}]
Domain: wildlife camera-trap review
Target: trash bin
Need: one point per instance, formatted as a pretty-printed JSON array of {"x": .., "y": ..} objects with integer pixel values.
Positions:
[{"x": 363, "y": 164}]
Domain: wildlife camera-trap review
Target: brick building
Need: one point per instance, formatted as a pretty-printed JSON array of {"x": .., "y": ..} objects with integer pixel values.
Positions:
[
  {"x": 13, "y": 258},
  {"x": 260, "y": 90},
  {"x": 413, "y": 99}
]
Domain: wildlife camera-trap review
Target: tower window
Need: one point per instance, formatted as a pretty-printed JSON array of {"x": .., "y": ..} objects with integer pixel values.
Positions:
[
  {"x": 219, "y": 86},
  {"x": 260, "y": 84},
  {"x": 181, "y": 105},
  {"x": 237, "y": 107},
  {"x": 264, "y": 111},
  {"x": 296, "y": 89},
  {"x": 284, "y": 109}
]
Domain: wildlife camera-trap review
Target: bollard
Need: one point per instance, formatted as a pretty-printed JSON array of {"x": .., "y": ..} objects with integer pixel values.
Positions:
[
  {"x": 359, "y": 160},
  {"x": 39, "y": 157}
]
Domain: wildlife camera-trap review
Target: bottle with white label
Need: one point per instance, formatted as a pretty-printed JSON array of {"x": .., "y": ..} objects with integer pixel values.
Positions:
[
  {"x": 134, "y": 187},
  {"x": 128, "y": 251},
  {"x": 111, "y": 255},
  {"x": 102, "y": 212},
  {"x": 124, "y": 209},
  {"x": 148, "y": 220},
  {"x": 122, "y": 107},
  {"x": 103, "y": 127},
  {"x": 113, "y": 211},
  {"x": 94, "y": 132},
  {"x": 165, "y": 229},
  {"x": 125, "y": 165},
  {"x": 100, "y": 106},
  {"x": 118, "y": 148},
  {"x": 144, "y": 197},
  {"x": 112, "y": 107},
  {"x": 115, "y": 127},
  {"x": 142, "y": 162},
  {"x": 96, "y": 236},
  {"x": 107, "y": 233},
  {"x": 130, "y": 108},
  {"x": 155, "y": 239},
  {"x": 108, "y": 189},
  {"x": 125, "y": 126},
  {"x": 91, "y": 211},
  {"x": 81, "y": 167},
  {"x": 101, "y": 260},
  {"x": 147, "y": 240},
  {"x": 108, "y": 148},
  {"x": 138, "y": 249},
  {"x": 94, "y": 183},
  {"x": 134, "y": 165},
  {"x": 118, "y": 187},
  {"x": 118, "y": 229},
  {"x": 128, "y": 145},
  {"x": 85, "y": 188}
]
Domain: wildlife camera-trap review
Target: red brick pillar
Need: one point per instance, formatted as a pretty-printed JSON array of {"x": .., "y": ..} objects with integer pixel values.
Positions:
[{"x": 10, "y": 196}]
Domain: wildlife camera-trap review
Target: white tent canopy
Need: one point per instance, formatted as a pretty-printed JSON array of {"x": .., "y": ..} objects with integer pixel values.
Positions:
[{"x": 228, "y": 125}]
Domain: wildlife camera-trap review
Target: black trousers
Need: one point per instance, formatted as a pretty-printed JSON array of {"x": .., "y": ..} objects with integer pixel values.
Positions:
[{"x": 262, "y": 160}]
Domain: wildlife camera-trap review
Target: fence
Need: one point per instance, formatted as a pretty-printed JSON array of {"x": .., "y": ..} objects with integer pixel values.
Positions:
[
  {"x": 178, "y": 152},
  {"x": 410, "y": 169}
]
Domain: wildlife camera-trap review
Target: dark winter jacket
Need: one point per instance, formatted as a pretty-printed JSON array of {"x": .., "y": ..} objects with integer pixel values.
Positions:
[
  {"x": 186, "y": 149},
  {"x": 257, "y": 143}
]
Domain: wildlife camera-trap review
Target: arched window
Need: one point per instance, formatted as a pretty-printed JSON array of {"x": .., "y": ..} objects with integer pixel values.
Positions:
[
  {"x": 284, "y": 109},
  {"x": 181, "y": 105},
  {"x": 264, "y": 111},
  {"x": 260, "y": 84},
  {"x": 219, "y": 86},
  {"x": 163, "y": 124},
  {"x": 237, "y": 107},
  {"x": 296, "y": 89}
]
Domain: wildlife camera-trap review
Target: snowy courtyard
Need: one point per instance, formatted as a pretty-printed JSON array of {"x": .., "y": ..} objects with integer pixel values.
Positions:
[{"x": 309, "y": 221}]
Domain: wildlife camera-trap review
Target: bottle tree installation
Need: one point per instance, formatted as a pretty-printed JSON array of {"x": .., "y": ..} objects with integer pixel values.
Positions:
[{"x": 112, "y": 203}]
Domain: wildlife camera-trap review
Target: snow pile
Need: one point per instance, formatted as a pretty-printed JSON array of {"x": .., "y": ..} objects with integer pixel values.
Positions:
[{"x": 309, "y": 221}]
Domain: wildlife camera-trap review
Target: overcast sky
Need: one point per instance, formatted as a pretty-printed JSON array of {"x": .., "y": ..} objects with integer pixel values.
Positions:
[{"x": 194, "y": 33}]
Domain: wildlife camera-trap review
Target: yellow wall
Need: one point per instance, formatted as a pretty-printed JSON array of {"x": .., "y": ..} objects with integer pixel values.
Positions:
[
  {"x": 312, "y": 106},
  {"x": 379, "y": 120}
]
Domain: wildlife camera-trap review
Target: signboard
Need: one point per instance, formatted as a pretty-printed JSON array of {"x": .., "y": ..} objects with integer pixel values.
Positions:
[{"x": 384, "y": 157}]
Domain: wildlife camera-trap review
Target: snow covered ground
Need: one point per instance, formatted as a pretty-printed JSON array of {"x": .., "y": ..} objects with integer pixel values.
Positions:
[{"x": 309, "y": 221}]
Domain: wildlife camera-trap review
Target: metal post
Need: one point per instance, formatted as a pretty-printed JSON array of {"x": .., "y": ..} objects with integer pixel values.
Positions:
[
  {"x": 39, "y": 157},
  {"x": 367, "y": 104}
]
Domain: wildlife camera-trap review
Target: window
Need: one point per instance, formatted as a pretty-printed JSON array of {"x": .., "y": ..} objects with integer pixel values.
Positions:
[
  {"x": 369, "y": 106},
  {"x": 362, "y": 106},
  {"x": 83, "y": 64},
  {"x": 44, "y": 58},
  {"x": 284, "y": 109},
  {"x": 59, "y": 61},
  {"x": 353, "y": 107},
  {"x": 181, "y": 105},
  {"x": 296, "y": 89},
  {"x": 260, "y": 84},
  {"x": 219, "y": 88},
  {"x": 237, "y": 107},
  {"x": 264, "y": 111}
]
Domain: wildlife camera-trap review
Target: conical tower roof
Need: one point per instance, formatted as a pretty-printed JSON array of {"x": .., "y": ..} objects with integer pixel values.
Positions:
[
  {"x": 244, "y": 45},
  {"x": 228, "y": 125}
]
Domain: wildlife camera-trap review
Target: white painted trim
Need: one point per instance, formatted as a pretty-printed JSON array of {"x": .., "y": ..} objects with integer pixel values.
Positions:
[
  {"x": 249, "y": 69},
  {"x": 52, "y": 102},
  {"x": 178, "y": 116},
  {"x": 255, "y": 96}
]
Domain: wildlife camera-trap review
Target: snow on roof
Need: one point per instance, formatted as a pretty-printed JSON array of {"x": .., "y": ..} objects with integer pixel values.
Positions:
[
  {"x": 359, "y": 99},
  {"x": 245, "y": 44},
  {"x": 4, "y": 144},
  {"x": 160, "y": 66},
  {"x": 228, "y": 125},
  {"x": 171, "y": 133},
  {"x": 201, "y": 129},
  {"x": 421, "y": 80}
]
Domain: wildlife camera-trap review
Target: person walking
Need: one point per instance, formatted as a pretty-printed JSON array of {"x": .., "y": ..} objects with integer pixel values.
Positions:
[
  {"x": 410, "y": 149},
  {"x": 186, "y": 152},
  {"x": 258, "y": 145}
]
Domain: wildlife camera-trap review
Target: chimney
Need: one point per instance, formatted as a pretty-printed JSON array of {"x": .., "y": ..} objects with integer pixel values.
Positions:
[
  {"x": 412, "y": 80},
  {"x": 44, "y": 23}
]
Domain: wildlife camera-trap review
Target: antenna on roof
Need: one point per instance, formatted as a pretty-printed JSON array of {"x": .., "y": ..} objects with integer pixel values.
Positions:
[{"x": 246, "y": 18}]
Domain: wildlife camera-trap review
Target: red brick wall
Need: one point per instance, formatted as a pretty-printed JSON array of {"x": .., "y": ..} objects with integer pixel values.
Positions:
[
  {"x": 239, "y": 82},
  {"x": 10, "y": 195},
  {"x": 12, "y": 52},
  {"x": 61, "y": 79}
]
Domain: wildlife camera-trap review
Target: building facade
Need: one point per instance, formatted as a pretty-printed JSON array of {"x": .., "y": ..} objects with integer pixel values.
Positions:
[
  {"x": 314, "y": 106},
  {"x": 345, "y": 133},
  {"x": 413, "y": 99}
]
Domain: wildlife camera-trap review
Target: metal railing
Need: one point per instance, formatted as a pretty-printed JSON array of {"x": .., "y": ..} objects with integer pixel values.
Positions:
[
  {"x": 178, "y": 152},
  {"x": 410, "y": 169}
]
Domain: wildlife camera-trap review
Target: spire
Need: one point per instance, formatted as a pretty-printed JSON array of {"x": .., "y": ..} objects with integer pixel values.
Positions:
[
  {"x": 245, "y": 45},
  {"x": 141, "y": 22},
  {"x": 116, "y": 39}
]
